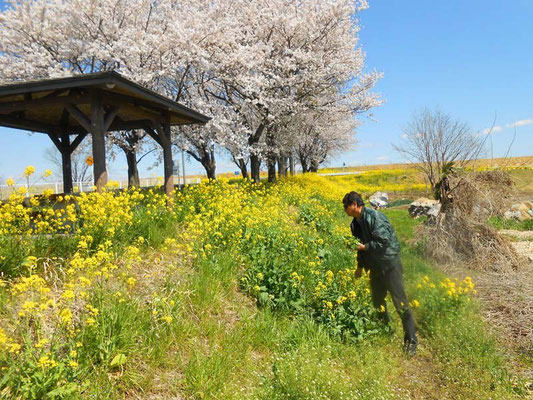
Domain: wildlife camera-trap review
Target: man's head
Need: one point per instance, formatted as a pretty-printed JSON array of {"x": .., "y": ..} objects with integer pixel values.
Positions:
[{"x": 353, "y": 204}]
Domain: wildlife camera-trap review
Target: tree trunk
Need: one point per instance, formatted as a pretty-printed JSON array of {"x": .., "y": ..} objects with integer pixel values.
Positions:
[
  {"x": 255, "y": 165},
  {"x": 209, "y": 162},
  {"x": 291, "y": 163},
  {"x": 243, "y": 168},
  {"x": 271, "y": 162},
  {"x": 255, "y": 162},
  {"x": 303, "y": 162},
  {"x": 133, "y": 171},
  {"x": 205, "y": 155},
  {"x": 282, "y": 164},
  {"x": 271, "y": 155},
  {"x": 210, "y": 168},
  {"x": 314, "y": 166}
]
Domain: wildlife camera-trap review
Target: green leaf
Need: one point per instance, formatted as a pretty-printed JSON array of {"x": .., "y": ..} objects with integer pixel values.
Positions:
[
  {"x": 118, "y": 360},
  {"x": 263, "y": 298}
]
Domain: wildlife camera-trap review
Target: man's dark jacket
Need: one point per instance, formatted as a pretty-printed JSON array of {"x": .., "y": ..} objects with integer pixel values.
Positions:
[{"x": 375, "y": 231}]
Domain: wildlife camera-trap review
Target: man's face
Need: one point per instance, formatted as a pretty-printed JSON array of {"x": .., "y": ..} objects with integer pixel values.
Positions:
[{"x": 353, "y": 210}]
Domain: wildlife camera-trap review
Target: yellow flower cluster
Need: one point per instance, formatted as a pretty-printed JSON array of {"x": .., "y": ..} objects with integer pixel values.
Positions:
[
  {"x": 456, "y": 288},
  {"x": 241, "y": 217},
  {"x": 7, "y": 344},
  {"x": 30, "y": 169},
  {"x": 368, "y": 182},
  {"x": 448, "y": 291},
  {"x": 51, "y": 305}
]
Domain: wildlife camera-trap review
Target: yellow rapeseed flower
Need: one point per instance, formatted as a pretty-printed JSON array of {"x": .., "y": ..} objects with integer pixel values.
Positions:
[
  {"x": 30, "y": 169},
  {"x": 66, "y": 316},
  {"x": 41, "y": 343},
  {"x": 15, "y": 348}
]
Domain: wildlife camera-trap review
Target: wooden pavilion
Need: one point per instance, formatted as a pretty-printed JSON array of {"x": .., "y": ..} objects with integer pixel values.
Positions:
[{"x": 67, "y": 109}]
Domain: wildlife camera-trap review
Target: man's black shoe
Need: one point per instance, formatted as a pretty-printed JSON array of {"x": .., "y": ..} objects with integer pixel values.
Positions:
[{"x": 409, "y": 347}]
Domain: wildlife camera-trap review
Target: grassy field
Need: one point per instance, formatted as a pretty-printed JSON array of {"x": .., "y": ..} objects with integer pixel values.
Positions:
[
  {"x": 509, "y": 163},
  {"x": 230, "y": 291}
]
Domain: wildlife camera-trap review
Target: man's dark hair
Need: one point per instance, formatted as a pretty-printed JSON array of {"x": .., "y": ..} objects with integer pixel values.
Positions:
[{"x": 352, "y": 197}]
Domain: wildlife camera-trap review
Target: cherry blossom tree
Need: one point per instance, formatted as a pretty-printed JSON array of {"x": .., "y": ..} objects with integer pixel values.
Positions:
[
  {"x": 54, "y": 38},
  {"x": 255, "y": 67},
  {"x": 130, "y": 142},
  {"x": 283, "y": 55}
]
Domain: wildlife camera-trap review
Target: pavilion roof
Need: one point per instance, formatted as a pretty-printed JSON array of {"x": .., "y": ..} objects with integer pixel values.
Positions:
[{"x": 40, "y": 105}]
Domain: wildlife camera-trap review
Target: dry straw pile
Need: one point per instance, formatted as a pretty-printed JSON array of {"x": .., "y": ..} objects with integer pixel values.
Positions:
[{"x": 460, "y": 234}]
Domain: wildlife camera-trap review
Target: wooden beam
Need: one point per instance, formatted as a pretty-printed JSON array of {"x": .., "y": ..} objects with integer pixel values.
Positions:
[
  {"x": 55, "y": 93},
  {"x": 141, "y": 111},
  {"x": 56, "y": 141},
  {"x": 22, "y": 123},
  {"x": 120, "y": 125},
  {"x": 112, "y": 98},
  {"x": 160, "y": 132},
  {"x": 9, "y": 107},
  {"x": 153, "y": 134},
  {"x": 79, "y": 116},
  {"x": 109, "y": 117},
  {"x": 77, "y": 141}
]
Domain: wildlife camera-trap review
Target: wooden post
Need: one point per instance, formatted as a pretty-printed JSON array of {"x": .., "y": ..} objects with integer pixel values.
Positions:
[
  {"x": 183, "y": 167},
  {"x": 66, "y": 162},
  {"x": 98, "y": 140},
  {"x": 66, "y": 148},
  {"x": 167, "y": 155}
]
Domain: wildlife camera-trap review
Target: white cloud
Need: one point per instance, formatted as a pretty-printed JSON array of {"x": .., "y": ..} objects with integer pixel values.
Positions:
[
  {"x": 494, "y": 129},
  {"x": 522, "y": 122},
  {"x": 405, "y": 136},
  {"x": 382, "y": 158}
]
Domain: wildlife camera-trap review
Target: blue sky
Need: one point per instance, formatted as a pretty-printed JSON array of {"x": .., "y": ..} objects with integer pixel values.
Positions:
[{"x": 471, "y": 59}]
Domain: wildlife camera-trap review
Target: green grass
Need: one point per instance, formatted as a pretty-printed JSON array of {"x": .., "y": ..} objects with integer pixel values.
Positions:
[
  {"x": 261, "y": 354},
  {"x": 221, "y": 345},
  {"x": 227, "y": 348},
  {"x": 504, "y": 223}
]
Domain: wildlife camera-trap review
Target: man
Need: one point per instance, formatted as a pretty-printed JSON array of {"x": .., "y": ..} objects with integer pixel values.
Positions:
[{"x": 379, "y": 253}]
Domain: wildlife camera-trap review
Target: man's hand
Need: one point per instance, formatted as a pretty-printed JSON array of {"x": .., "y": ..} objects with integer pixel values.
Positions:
[
  {"x": 361, "y": 246},
  {"x": 358, "y": 273}
]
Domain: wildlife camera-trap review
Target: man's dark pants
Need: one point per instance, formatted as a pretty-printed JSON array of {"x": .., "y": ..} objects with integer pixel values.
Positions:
[{"x": 388, "y": 277}]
